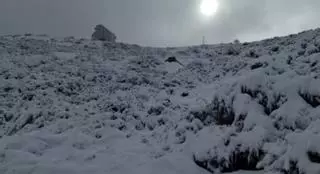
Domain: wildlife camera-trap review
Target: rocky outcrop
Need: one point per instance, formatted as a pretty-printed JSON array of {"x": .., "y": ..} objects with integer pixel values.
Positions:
[{"x": 103, "y": 34}]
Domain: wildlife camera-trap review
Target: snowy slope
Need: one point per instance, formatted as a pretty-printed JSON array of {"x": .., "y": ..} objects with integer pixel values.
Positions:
[{"x": 79, "y": 106}]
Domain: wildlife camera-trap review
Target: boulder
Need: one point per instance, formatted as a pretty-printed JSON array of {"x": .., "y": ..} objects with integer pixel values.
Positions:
[{"x": 103, "y": 34}]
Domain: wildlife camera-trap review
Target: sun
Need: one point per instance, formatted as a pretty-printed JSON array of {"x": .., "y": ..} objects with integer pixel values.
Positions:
[{"x": 209, "y": 7}]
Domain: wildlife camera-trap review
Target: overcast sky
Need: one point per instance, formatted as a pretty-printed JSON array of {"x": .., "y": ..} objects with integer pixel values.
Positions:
[{"x": 160, "y": 22}]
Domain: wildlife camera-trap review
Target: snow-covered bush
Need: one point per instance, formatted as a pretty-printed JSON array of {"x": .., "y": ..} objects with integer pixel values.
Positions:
[
  {"x": 312, "y": 49},
  {"x": 252, "y": 53},
  {"x": 232, "y": 50},
  {"x": 231, "y": 151},
  {"x": 218, "y": 112}
]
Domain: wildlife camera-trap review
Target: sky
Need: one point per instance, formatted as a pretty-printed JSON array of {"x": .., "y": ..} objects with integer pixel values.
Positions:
[{"x": 160, "y": 22}]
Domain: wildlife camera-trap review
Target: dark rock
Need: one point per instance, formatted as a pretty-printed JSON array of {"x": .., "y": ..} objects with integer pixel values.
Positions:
[
  {"x": 171, "y": 59},
  {"x": 314, "y": 156},
  {"x": 275, "y": 48},
  {"x": 103, "y": 34},
  {"x": 256, "y": 65},
  {"x": 314, "y": 64},
  {"x": 8, "y": 89},
  {"x": 185, "y": 94}
]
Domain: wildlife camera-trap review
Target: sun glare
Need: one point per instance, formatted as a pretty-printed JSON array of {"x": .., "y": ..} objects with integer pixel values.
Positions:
[{"x": 209, "y": 7}]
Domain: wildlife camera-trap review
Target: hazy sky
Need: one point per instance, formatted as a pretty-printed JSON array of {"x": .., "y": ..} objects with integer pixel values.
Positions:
[{"x": 160, "y": 22}]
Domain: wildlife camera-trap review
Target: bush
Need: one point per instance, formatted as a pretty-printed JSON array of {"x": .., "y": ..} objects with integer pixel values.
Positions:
[
  {"x": 218, "y": 112},
  {"x": 269, "y": 102},
  {"x": 252, "y": 53},
  {"x": 231, "y": 51},
  {"x": 289, "y": 60},
  {"x": 237, "y": 161},
  {"x": 311, "y": 99},
  {"x": 301, "y": 52},
  {"x": 275, "y": 48},
  {"x": 156, "y": 110},
  {"x": 236, "y": 41},
  {"x": 228, "y": 154},
  {"x": 293, "y": 169},
  {"x": 312, "y": 49}
]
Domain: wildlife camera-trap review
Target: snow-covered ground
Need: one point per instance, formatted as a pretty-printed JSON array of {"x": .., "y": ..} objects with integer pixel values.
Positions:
[{"x": 75, "y": 106}]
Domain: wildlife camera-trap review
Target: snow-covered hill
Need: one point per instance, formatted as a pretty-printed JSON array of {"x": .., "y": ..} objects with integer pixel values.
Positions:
[{"x": 75, "y": 106}]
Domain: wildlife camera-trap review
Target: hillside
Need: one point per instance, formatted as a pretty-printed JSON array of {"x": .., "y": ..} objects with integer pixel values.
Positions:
[{"x": 75, "y": 106}]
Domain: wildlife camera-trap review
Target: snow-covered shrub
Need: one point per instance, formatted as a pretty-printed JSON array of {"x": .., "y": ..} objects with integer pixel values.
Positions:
[
  {"x": 312, "y": 49},
  {"x": 252, "y": 53},
  {"x": 289, "y": 60},
  {"x": 313, "y": 100},
  {"x": 236, "y": 41},
  {"x": 231, "y": 151},
  {"x": 156, "y": 110},
  {"x": 232, "y": 50},
  {"x": 300, "y": 154},
  {"x": 301, "y": 52},
  {"x": 269, "y": 100},
  {"x": 218, "y": 112},
  {"x": 304, "y": 45},
  {"x": 311, "y": 93}
]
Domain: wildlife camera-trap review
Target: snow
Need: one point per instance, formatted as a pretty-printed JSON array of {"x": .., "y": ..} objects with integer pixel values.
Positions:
[{"x": 71, "y": 105}]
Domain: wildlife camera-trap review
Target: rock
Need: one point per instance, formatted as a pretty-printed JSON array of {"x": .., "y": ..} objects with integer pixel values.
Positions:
[
  {"x": 171, "y": 59},
  {"x": 103, "y": 34},
  {"x": 185, "y": 94},
  {"x": 257, "y": 65}
]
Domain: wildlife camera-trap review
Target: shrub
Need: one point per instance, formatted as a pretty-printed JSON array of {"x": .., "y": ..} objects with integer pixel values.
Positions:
[
  {"x": 156, "y": 110},
  {"x": 289, "y": 60},
  {"x": 236, "y": 41},
  {"x": 269, "y": 102},
  {"x": 293, "y": 168},
  {"x": 218, "y": 112},
  {"x": 301, "y": 52},
  {"x": 311, "y": 99},
  {"x": 312, "y": 49},
  {"x": 228, "y": 156},
  {"x": 252, "y": 53},
  {"x": 232, "y": 51},
  {"x": 275, "y": 48}
]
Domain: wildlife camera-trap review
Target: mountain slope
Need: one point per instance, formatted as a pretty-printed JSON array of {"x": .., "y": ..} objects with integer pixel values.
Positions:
[{"x": 79, "y": 106}]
